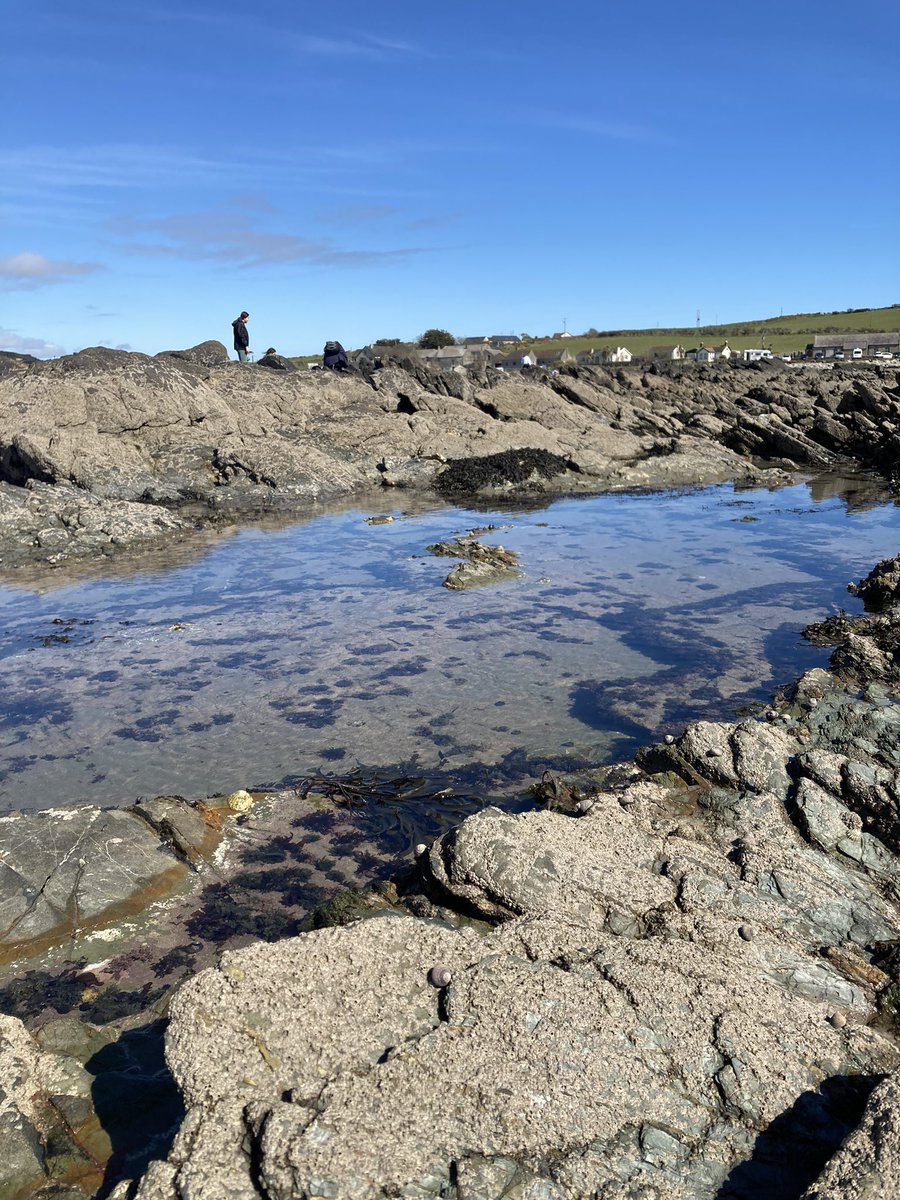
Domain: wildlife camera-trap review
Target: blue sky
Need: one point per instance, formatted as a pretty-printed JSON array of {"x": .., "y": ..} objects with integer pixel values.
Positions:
[{"x": 353, "y": 171}]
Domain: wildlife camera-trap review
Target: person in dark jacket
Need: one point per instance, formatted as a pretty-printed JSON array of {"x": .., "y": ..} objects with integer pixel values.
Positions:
[
  {"x": 334, "y": 357},
  {"x": 241, "y": 337}
]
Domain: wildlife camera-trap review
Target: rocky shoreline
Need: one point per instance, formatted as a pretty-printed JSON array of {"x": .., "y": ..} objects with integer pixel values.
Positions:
[
  {"x": 107, "y": 451},
  {"x": 675, "y": 978},
  {"x": 672, "y": 979}
]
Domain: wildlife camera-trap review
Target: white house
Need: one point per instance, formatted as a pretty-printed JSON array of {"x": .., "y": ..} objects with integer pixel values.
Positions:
[
  {"x": 756, "y": 355},
  {"x": 620, "y": 355}
]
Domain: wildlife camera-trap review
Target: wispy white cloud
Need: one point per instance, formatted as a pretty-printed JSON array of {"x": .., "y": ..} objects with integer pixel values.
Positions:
[
  {"x": 29, "y": 345},
  {"x": 37, "y": 170},
  {"x": 359, "y": 214},
  {"x": 359, "y": 45},
  {"x": 28, "y": 270},
  {"x": 601, "y": 127},
  {"x": 232, "y": 236},
  {"x": 435, "y": 221},
  {"x": 90, "y": 173}
]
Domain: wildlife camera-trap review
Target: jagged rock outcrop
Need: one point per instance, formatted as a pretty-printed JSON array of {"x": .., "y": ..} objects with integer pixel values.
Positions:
[
  {"x": 46, "y": 1126},
  {"x": 63, "y": 522},
  {"x": 189, "y": 426}
]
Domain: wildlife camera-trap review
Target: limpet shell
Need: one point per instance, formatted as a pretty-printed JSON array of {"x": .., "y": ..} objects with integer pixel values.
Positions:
[{"x": 240, "y": 801}]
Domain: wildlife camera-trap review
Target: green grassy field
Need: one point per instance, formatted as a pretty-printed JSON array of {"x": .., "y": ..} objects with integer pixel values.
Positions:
[{"x": 782, "y": 335}]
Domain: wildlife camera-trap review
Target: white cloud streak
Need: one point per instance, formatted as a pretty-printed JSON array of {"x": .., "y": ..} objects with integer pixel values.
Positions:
[
  {"x": 28, "y": 270},
  {"x": 17, "y": 344},
  {"x": 232, "y": 237}
]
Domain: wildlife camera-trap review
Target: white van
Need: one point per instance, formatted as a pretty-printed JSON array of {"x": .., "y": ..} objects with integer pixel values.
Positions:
[{"x": 856, "y": 352}]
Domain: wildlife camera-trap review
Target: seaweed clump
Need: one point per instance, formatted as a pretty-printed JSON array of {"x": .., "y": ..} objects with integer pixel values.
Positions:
[{"x": 510, "y": 468}]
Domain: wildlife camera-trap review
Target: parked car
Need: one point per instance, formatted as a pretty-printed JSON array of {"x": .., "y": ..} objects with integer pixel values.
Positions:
[
  {"x": 856, "y": 352},
  {"x": 839, "y": 354},
  {"x": 883, "y": 354}
]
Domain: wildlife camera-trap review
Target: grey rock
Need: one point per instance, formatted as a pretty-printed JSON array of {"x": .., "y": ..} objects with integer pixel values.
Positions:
[
  {"x": 612, "y": 1024},
  {"x": 822, "y": 819},
  {"x": 205, "y": 354},
  {"x": 276, "y": 362},
  {"x": 187, "y": 426},
  {"x": 36, "y": 1089},
  {"x": 65, "y": 870}
]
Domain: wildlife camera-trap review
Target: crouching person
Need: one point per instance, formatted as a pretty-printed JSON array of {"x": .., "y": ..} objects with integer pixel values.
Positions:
[{"x": 334, "y": 357}]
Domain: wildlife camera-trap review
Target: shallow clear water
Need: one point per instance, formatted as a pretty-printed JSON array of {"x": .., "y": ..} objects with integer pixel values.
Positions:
[{"x": 311, "y": 648}]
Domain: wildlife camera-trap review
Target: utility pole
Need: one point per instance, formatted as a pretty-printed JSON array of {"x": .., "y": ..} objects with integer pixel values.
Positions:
[{"x": 698, "y": 318}]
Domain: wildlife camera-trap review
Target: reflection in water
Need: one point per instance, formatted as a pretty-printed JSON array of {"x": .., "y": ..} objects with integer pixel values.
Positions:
[{"x": 313, "y": 647}]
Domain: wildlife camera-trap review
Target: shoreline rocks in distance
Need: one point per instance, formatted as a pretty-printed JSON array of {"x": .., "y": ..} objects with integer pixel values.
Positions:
[{"x": 188, "y": 436}]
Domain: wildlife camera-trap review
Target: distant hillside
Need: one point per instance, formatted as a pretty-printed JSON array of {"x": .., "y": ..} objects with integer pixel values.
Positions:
[{"x": 785, "y": 334}]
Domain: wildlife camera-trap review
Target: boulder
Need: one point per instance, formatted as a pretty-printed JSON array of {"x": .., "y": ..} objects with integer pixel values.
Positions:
[
  {"x": 276, "y": 362},
  {"x": 205, "y": 354}
]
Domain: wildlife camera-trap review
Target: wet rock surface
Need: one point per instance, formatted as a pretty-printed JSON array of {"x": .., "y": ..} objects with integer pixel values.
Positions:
[
  {"x": 189, "y": 428},
  {"x": 482, "y": 564},
  {"x": 56, "y": 524}
]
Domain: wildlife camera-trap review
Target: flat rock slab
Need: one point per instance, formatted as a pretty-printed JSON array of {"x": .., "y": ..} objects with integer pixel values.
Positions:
[{"x": 65, "y": 871}]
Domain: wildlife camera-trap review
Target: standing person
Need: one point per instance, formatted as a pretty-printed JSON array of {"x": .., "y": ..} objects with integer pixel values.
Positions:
[{"x": 241, "y": 337}]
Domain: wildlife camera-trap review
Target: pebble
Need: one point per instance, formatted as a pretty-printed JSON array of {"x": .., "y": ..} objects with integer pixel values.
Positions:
[
  {"x": 421, "y": 849},
  {"x": 668, "y": 739},
  {"x": 746, "y": 932},
  {"x": 440, "y": 977},
  {"x": 584, "y": 806},
  {"x": 838, "y": 1020}
]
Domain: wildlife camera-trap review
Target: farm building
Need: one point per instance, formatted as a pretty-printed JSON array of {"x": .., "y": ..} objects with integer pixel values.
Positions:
[
  {"x": 553, "y": 358},
  {"x": 518, "y": 358},
  {"x": 870, "y": 343}
]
